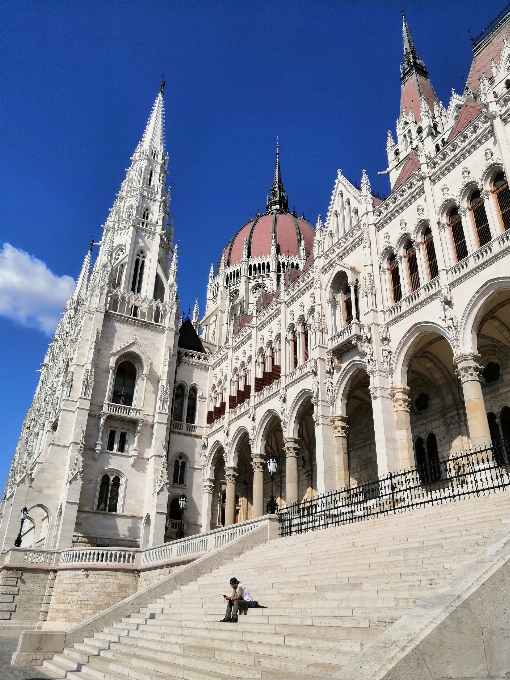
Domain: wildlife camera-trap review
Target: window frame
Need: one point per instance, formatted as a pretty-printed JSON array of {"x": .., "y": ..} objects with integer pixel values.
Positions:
[{"x": 111, "y": 473}]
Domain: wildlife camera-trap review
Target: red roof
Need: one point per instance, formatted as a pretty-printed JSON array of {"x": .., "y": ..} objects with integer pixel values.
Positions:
[
  {"x": 411, "y": 165},
  {"x": 482, "y": 62},
  {"x": 468, "y": 113},
  {"x": 416, "y": 86},
  {"x": 288, "y": 231}
]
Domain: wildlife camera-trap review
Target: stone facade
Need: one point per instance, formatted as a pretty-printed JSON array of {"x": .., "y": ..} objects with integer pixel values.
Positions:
[{"x": 375, "y": 342}]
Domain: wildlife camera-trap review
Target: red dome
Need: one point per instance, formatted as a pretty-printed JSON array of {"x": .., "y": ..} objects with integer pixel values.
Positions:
[{"x": 287, "y": 228}]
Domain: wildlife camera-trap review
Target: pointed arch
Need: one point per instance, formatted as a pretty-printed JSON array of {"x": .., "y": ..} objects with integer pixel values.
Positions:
[
  {"x": 473, "y": 313},
  {"x": 402, "y": 355},
  {"x": 262, "y": 426},
  {"x": 343, "y": 383},
  {"x": 293, "y": 414}
]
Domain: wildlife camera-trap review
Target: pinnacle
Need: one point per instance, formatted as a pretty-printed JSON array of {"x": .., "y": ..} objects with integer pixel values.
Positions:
[
  {"x": 154, "y": 135},
  {"x": 277, "y": 199},
  {"x": 406, "y": 34}
]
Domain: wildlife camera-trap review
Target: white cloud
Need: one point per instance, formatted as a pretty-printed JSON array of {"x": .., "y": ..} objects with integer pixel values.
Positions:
[{"x": 30, "y": 293}]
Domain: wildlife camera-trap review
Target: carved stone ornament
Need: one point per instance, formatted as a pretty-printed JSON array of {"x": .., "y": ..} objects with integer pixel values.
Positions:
[
  {"x": 76, "y": 469},
  {"x": 400, "y": 398},
  {"x": 162, "y": 478},
  {"x": 420, "y": 209},
  {"x": 257, "y": 463},
  {"x": 468, "y": 370},
  {"x": 340, "y": 426},
  {"x": 292, "y": 448},
  {"x": 386, "y": 238},
  {"x": 208, "y": 486},
  {"x": 488, "y": 154},
  {"x": 231, "y": 475},
  {"x": 466, "y": 172},
  {"x": 445, "y": 190}
]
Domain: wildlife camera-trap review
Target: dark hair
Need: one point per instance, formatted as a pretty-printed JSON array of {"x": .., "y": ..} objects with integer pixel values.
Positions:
[{"x": 234, "y": 580}]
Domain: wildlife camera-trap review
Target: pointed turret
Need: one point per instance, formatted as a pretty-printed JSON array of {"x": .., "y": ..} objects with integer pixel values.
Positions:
[
  {"x": 277, "y": 200},
  {"x": 415, "y": 78},
  {"x": 154, "y": 135},
  {"x": 80, "y": 289}
]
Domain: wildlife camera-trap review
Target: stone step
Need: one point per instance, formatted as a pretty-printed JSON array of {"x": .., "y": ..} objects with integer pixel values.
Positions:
[{"x": 246, "y": 665}]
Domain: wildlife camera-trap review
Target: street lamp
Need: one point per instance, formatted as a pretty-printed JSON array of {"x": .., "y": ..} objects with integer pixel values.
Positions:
[
  {"x": 17, "y": 542},
  {"x": 182, "y": 505},
  {"x": 272, "y": 465}
]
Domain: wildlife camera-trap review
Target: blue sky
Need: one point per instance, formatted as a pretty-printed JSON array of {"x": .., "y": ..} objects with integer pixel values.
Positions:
[{"x": 77, "y": 82}]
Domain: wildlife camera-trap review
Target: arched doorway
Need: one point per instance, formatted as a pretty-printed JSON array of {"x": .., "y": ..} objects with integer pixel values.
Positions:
[
  {"x": 307, "y": 464},
  {"x": 273, "y": 446},
  {"x": 244, "y": 480},
  {"x": 361, "y": 449}
]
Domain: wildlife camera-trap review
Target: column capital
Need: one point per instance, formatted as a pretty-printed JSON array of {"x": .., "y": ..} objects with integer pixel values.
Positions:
[
  {"x": 292, "y": 447},
  {"x": 400, "y": 398},
  {"x": 340, "y": 426},
  {"x": 258, "y": 462},
  {"x": 231, "y": 475},
  {"x": 208, "y": 486},
  {"x": 468, "y": 369}
]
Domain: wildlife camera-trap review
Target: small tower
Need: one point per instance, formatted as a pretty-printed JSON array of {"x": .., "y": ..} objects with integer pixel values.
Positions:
[{"x": 422, "y": 116}]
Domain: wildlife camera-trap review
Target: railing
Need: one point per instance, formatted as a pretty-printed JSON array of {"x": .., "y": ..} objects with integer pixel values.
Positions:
[
  {"x": 347, "y": 334},
  {"x": 298, "y": 372},
  {"x": 471, "y": 473},
  {"x": 479, "y": 256},
  {"x": 121, "y": 410},
  {"x": 189, "y": 428},
  {"x": 137, "y": 307},
  {"x": 201, "y": 543},
  {"x": 411, "y": 300},
  {"x": 268, "y": 391},
  {"x": 110, "y": 556}
]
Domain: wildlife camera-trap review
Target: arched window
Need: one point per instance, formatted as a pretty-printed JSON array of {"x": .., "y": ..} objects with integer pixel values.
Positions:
[
  {"x": 145, "y": 216},
  {"x": 356, "y": 300},
  {"x": 412, "y": 267},
  {"x": 124, "y": 387},
  {"x": 500, "y": 449},
  {"x": 159, "y": 289},
  {"x": 427, "y": 460},
  {"x": 178, "y": 409},
  {"x": 348, "y": 305},
  {"x": 305, "y": 342},
  {"x": 293, "y": 349},
  {"x": 504, "y": 418},
  {"x": 191, "y": 408},
  {"x": 396, "y": 288},
  {"x": 150, "y": 178},
  {"x": 117, "y": 274},
  {"x": 180, "y": 471},
  {"x": 136, "y": 283},
  {"x": 477, "y": 207},
  {"x": 502, "y": 194},
  {"x": 459, "y": 239},
  {"x": 109, "y": 491},
  {"x": 431, "y": 253}
]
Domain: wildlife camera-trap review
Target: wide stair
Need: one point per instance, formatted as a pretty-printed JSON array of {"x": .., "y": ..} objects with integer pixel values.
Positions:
[{"x": 329, "y": 595}]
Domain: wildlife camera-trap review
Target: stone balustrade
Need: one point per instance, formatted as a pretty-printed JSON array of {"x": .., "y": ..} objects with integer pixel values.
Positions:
[
  {"x": 298, "y": 373},
  {"x": 187, "y": 428},
  {"x": 345, "y": 335},
  {"x": 99, "y": 556},
  {"x": 122, "y": 410},
  {"x": 481, "y": 257},
  {"x": 267, "y": 392},
  {"x": 137, "y": 307},
  {"x": 418, "y": 297}
]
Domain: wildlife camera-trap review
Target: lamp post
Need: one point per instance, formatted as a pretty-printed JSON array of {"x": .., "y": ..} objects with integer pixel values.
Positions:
[
  {"x": 182, "y": 505},
  {"x": 272, "y": 465},
  {"x": 24, "y": 513}
]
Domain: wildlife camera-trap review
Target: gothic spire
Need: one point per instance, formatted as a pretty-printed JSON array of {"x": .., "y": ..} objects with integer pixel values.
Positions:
[
  {"x": 277, "y": 200},
  {"x": 416, "y": 85},
  {"x": 412, "y": 62},
  {"x": 154, "y": 135},
  {"x": 80, "y": 289}
]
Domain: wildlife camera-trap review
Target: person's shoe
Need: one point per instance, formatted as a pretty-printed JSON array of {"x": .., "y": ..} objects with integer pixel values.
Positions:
[
  {"x": 232, "y": 620},
  {"x": 226, "y": 620}
]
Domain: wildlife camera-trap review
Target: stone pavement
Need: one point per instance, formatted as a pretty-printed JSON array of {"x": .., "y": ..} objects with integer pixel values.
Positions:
[{"x": 7, "y": 648}]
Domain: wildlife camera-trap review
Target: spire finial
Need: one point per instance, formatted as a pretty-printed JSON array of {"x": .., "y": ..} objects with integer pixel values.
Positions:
[
  {"x": 162, "y": 84},
  {"x": 412, "y": 62},
  {"x": 277, "y": 199},
  {"x": 406, "y": 35}
]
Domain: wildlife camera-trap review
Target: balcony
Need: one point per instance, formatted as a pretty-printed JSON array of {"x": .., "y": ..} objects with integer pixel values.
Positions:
[
  {"x": 345, "y": 338},
  {"x": 187, "y": 428},
  {"x": 480, "y": 258},
  {"x": 122, "y": 412},
  {"x": 414, "y": 300}
]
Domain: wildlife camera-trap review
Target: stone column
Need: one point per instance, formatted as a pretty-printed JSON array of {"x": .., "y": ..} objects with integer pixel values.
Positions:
[
  {"x": 258, "y": 463},
  {"x": 469, "y": 373},
  {"x": 292, "y": 449},
  {"x": 340, "y": 431},
  {"x": 207, "y": 497},
  {"x": 230, "y": 501},
  {"x": 386, "y": 444},
  {"x": 421, "y": 259},
  {"x": 401, "y": 405}
]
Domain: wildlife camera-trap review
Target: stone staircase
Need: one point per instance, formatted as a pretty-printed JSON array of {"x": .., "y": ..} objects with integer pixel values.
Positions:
[{"x": 329, "y": 595}]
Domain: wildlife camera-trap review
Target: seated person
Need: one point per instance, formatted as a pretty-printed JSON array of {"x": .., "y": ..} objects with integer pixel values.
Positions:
[{"x": 239, "y": 599}]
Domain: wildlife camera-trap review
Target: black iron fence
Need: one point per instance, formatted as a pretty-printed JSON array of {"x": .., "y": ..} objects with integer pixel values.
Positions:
[{"x": 471, "y": 473}]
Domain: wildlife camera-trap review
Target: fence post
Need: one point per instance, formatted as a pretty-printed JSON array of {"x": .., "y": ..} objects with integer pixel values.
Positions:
[{"x": 392, "y": 491}]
